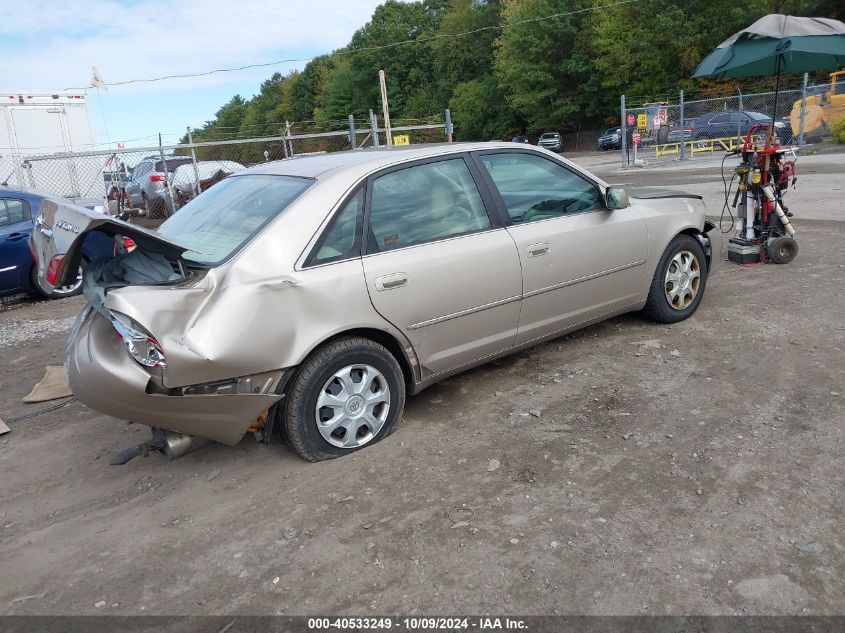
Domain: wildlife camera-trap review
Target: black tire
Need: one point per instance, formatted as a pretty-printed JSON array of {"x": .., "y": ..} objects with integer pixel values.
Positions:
[
  {"x": 300, "y": 414},
  {"x": 782, "y": 250},
  {"x": 658, "y": 307},
  {"x": 56, "y": 293}
]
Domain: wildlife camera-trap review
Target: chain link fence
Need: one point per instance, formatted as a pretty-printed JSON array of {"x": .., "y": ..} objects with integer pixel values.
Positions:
[
  {"x": 154, "y": 181},
  {"x": 658, "y": 132}
]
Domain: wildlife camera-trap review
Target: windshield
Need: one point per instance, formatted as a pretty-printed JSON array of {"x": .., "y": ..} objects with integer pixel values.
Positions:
[
  {"x": 217, "y": 223},
  {"x": 612, "y": 130},
  {"x": 549, "y": 135}
]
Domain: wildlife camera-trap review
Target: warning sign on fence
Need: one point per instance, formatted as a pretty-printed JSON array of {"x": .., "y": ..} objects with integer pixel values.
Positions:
[
  {"x": 401, "y": 139},
  {"x": 642, "y": 121}
]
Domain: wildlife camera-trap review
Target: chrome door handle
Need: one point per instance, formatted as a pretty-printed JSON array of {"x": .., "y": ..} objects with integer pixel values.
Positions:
[
  {"x": 537, "y": 250},
  {"x": 389, "y": 282}
]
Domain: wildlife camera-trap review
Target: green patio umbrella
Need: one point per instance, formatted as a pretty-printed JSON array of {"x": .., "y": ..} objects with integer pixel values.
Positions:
[{"x": 777, "y": 44}]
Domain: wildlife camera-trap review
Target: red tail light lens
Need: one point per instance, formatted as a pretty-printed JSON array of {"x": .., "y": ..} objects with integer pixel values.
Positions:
[
  {"x": 52, "y": 274},
  {"x": 157, "y": 178},
  {"x": 129, "y": 243}
]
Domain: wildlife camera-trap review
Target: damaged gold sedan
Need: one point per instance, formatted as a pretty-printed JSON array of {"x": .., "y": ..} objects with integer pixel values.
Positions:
[{"x": 303, "y": 299}]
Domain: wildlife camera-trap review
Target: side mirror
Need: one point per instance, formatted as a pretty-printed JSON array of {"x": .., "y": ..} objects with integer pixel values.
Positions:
[{"x": 616, "y": 198}]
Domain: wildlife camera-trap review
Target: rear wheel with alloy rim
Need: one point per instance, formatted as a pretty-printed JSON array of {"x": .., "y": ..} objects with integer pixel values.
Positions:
[
  {"x": 347, "y": 395},
  {"x": 678, "y": 283},
  {"x": 73, "y": 288}
]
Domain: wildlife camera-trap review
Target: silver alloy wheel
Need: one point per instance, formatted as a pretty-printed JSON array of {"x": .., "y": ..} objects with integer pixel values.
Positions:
[
  {"x": 683, "y": 279},
  {"x": 62, "y": 291},
  {"x": 353, "y": 406}
]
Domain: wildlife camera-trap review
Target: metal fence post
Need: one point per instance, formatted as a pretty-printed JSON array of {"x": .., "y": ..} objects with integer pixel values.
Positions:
[
  {"x": 624, "y": 129},
  {"x": 682, "y": 149},
  {"x": 352, "y": 132},
  {"x": 374, "y": 128},
  {"x": 288, "y": 140},
  {"x": 196, "y": 186},
  {"x": 167, "y": 182},
  {"x": 803, "y": 112},
  {"x": 449, "y": 128}
]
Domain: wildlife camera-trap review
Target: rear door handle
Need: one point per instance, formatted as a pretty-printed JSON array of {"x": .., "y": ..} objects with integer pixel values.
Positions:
[
  {"x": 389, "y": 282},
  {"x": 16, "y": 237},
  {"x": 538, "y": 250}
]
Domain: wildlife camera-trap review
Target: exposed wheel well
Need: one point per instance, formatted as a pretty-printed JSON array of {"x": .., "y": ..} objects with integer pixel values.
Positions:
[
  {"x": 389, "y": 342},
  {"x": 698, "y": 235}
]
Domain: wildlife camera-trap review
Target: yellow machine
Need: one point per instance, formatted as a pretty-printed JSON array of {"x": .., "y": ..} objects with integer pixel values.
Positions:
[{"x": 823, "y": 110}]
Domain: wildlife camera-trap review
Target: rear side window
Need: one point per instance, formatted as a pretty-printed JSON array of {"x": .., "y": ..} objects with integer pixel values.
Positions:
[
  {"x": 218, "y": 223},
  {"x": 13, "y": 211},
  {"x": 424, "y": 203},
  {"x": 342, "y": 238}
]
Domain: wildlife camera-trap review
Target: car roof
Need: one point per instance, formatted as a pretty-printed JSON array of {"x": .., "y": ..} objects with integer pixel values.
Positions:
[
  {"x": 370, "y": 159},
  {"x": 33, "y": 197}
]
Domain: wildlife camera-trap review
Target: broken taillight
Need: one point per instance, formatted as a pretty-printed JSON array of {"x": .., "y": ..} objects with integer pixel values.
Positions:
[
  {"x": 52, "y": 274},
  {"x": 157, "y": 178},
  {"x": 142, "y": 347}
]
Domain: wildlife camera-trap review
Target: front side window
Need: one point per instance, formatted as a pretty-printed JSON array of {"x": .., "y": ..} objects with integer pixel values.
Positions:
[
  {"x": 424, "y": 203},
  {"x": 534, "y": 188},
  {"x": 221, "y": 220},
  {"x": 340, "y": 240}
]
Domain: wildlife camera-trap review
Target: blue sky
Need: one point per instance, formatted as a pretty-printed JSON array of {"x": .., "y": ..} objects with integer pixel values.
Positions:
[{"x": 50, "y": 45}]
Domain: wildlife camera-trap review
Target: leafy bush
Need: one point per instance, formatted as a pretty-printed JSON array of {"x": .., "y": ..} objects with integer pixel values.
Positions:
[{"x": 838, "y": 130}]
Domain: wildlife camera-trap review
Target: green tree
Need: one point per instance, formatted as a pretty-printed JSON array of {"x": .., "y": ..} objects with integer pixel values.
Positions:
[
  {"x": 544, "y": 66},
  {"x": 479, "y": 111},
  {"x": 413, "y": 89}
]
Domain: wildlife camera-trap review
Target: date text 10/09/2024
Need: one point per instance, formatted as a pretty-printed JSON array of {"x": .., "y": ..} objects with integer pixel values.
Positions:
[{"x": 419, "y": 624}]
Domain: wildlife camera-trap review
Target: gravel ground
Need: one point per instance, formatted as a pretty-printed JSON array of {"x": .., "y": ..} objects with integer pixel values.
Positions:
[
  {"x": 630, "y": 468},
  {"x": 20, "y": 330}
]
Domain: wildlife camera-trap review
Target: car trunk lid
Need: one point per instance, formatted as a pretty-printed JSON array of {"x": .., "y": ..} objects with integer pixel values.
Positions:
[{"x": 60, "y": 230}]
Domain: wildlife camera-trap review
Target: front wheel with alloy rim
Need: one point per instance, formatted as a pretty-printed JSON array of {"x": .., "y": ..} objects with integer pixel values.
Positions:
[
  {"x": 348, "y": 394},
  {"x": 678, "y": 283}
]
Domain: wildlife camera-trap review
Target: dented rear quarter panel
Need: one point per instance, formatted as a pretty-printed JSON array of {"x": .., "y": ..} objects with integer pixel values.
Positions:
[{"x": 256, "y": 312}]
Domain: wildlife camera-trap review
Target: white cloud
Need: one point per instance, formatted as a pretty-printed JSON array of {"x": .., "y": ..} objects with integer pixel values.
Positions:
[{"x": 149, "y": 38}]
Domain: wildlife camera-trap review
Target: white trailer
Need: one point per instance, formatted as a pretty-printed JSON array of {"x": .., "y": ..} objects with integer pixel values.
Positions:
[{"x": 37, "y": 131}]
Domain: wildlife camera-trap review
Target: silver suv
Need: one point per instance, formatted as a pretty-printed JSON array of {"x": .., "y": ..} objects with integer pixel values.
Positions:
[
  {"x": 551, "y": 141},
  {"x": 147, "y": 188}
]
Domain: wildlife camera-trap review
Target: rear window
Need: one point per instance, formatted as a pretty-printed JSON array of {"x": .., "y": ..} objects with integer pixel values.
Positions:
[
  {"x": 218, "y": 223},
  {"x": 172, "y": 163},
  {"x": 759, "y": 116}
]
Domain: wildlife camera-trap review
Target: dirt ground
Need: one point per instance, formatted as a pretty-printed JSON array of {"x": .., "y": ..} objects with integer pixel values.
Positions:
[{"x": 630, "y": 468}]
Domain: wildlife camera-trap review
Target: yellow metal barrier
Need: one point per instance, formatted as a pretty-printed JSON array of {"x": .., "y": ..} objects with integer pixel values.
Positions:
[{"x": 728, "y": 144}]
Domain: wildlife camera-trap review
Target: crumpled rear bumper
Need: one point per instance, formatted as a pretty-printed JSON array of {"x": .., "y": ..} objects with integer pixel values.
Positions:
[{"x": 103, "y": 376}]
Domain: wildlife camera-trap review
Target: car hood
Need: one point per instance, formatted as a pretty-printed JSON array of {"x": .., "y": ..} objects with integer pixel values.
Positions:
[
  {"x": 652, "y": 193},
  {"x": 60, "y": 229}
]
